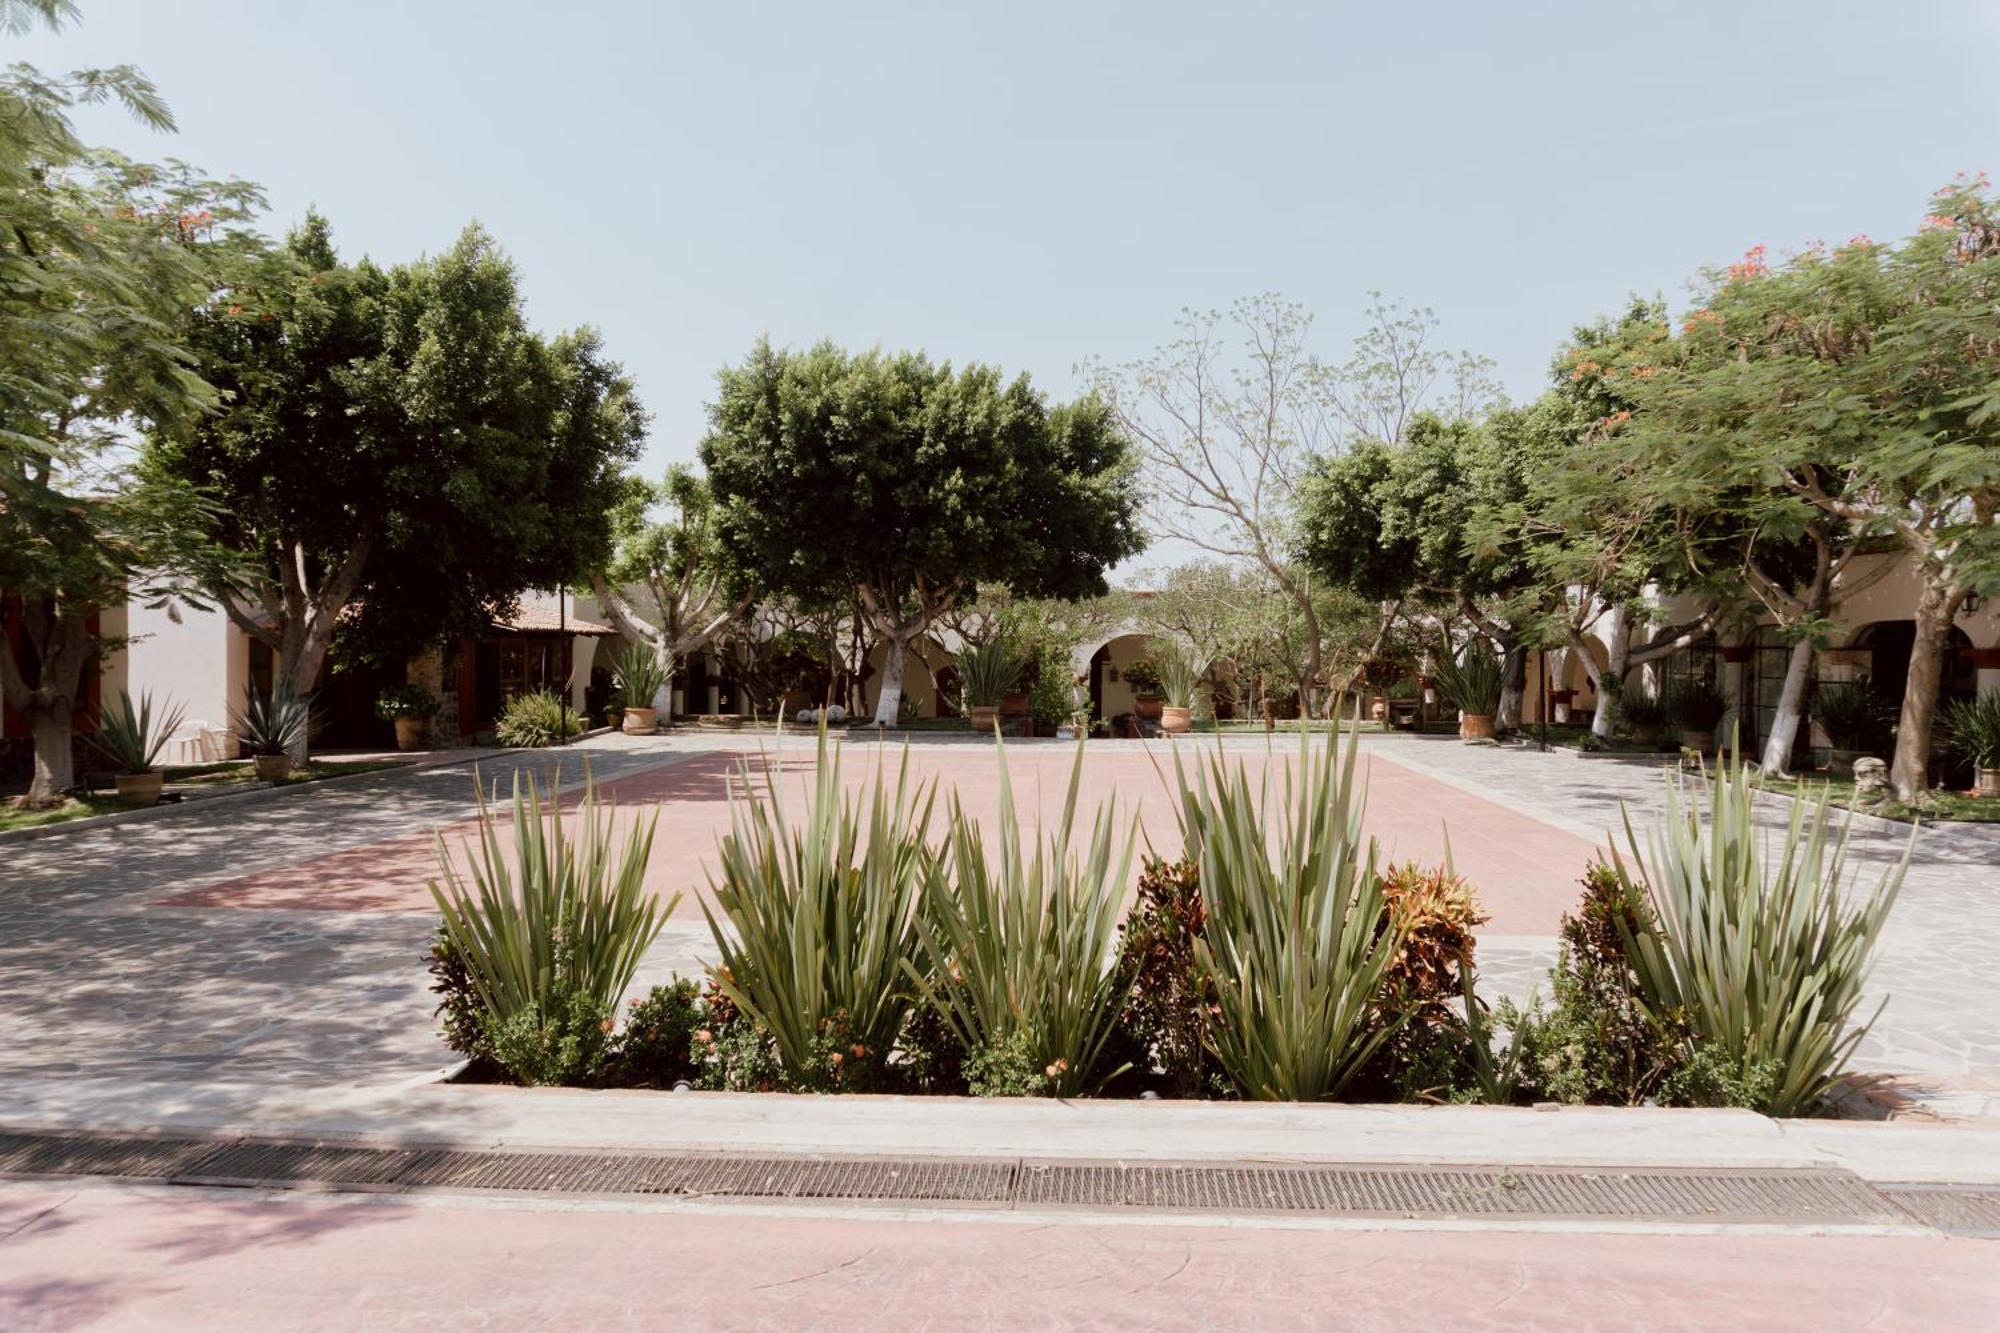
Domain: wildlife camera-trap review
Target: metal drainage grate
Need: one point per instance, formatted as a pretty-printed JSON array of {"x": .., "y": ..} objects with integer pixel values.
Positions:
[{"x": 1822, "y": 1197}]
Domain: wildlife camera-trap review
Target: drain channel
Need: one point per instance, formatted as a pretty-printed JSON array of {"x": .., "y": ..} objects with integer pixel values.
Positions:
[{"x": 1824, "y": 1197}]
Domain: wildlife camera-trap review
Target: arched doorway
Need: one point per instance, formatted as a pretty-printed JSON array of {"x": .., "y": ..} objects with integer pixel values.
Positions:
[{"x": 1887, "y": 644}]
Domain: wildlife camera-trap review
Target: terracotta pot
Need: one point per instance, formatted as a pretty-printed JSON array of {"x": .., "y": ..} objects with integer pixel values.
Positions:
[
  {"x": 981, "y": 717},
  {"x": 1986, "y": 782},
  {"x": 413, "y": 733},
  {"x": 641, "y": 722},
  {"x": 1174, "y": 720},
  {"x": 1149, "y": 708},
  {"x": 271, "y": 767},
  {"x": 1014, "y": 704},
  {"x": 1704, "y": 741},
  {"x": 1475, "y": 726},
  {"x": 140, "y": 788}
]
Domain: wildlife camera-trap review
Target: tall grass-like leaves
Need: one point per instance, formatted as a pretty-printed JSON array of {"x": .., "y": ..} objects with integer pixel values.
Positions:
[
  {"x": 1026, "y": 947},
  {"x": 274, "y": 723},
  {"x": 133, "y": 738},
  {"x": 1297, "y": 942},
  {"x": 1473, "y": 682},
  {"x": 637, "y": 672},
  {"x": 821, "y": 915},
  {"x": 1972, "y": 726},
  {"x": 989, "y": 673},
  {"x": 1180, "y": 675},
  {"x": 1763, "y": 955},
  {"x": 562, "y": 915}
]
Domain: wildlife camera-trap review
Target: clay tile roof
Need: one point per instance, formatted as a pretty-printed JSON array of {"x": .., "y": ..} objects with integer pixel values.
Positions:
[{"x": 540, "y": 616}]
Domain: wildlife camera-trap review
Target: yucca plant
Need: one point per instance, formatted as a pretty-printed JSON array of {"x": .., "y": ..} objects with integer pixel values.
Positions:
[
  {"x": 1694, "y": 703},
  {"x": 535, "y": 719},
  {"x": 1473, "y": 682},
  {"x": 1761, "y": 954},
  {"x": 1848, "y": 712},
  {"x": 1180, "y": 675},
  {"x": 637, "y": 673},
  {"x": 815, "y": 922},
  {"x": 1972, "y": 729},
  {"x": 552, "y": 929},
  {"x": 989, "y": 673},
  {"x": 1298, "y": 944},
  {"x": 1021, "y": 953},
  {"x": 132, "y": 738},
  {"x": 274, "y": 723}
]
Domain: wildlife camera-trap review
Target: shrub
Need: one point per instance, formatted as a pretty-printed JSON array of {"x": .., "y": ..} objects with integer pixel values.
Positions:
[
  {"x": 1018, "y": 955},
  {"x": 656, "y": 1047},
  {"x": 462, "y": 1013},
  {"x": 1295, "y": 943},
  {"x": 1763, "y": 958},
  {"x": 1972, "y": 729},
  {"x": 1693, "y": 703},
  {"x": 1144, "y": 678},
  {"x": 1051, "y": 699},
  {"x": 274, "y": 723},
  {"x": 814, "y": 921},
  {"x": 1848, "y": 712},
  {"x": 638, "y": 675},
  {"x": 1011, "y": 1067},
  {"x": 1473, "y": 683},
  {"x": 989, "y": 673},
  {"x": 132, "y": 738},
  {"x": 406, "y": 701},
  {"x": 1168, "y": 1009},
  {"x": 1639, "y": 710},
  {"x": 536, "y": 719},
  {"x": 551, "y": 935}
]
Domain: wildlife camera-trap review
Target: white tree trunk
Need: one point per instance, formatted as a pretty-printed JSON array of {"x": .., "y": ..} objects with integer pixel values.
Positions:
[
  {"x": 1791, "y": 702},
  {"x": 1611, "y": 679},
  {"x": 1514, "y": 678},
  {"x": 55, "y": 763},
  {"x": 888, "y": 704}
]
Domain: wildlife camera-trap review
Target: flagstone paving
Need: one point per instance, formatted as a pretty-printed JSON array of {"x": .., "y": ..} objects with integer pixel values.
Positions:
[{"x": 281, "y": 939}]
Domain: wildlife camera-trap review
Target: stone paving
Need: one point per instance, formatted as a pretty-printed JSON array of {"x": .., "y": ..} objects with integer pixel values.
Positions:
[{"x": 279, "y": 940}]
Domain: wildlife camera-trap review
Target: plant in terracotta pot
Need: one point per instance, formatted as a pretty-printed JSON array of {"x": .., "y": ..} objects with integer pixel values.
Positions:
[
  {"x": 272, "y": 727},
  {"x": 133, "y": 739},
  {"x": 1642, "y": 716},
  {"x": 1180, "y": 686},
  {"x": 988, "y": 673},
  {"x": 410, "y": 708},
  {"x": 1473, "y": 684},
  {"x": 1694, "y": 705},
  {"x": 1143, "y": 676},
  {"x": 639, "y": 677},
  {"x": 1850, "y": 715},
  {"x": 1972, "y": 729}
]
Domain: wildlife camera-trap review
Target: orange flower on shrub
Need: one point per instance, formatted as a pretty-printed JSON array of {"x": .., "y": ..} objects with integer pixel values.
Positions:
[{"x": 1436, "y": 912}]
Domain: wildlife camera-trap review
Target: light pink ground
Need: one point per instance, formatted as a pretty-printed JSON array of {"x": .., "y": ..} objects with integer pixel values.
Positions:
[
  {"x": 117, "y": 1259},
  {"x": 1525, "y": 871}
]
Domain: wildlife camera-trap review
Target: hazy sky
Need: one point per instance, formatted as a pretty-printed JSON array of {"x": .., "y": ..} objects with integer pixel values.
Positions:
[{"x": 1031, "y": 184}]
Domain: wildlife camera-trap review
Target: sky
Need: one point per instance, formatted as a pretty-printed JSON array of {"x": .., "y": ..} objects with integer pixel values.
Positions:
[{"x": 1031, "y": 185}]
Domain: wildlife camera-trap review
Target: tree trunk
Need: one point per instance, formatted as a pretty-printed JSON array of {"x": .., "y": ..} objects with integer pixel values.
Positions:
[
  {"x": 889, "y": 703},
  {"x": 1909, "y": 771},
  {"x": 1514, "y": 685},
  {"x": 62, "y": 644},
  {"x": 1309, "y": 697},
  {"x": 298, "y": 671},
  {"x": 1611, "y": 679},
  {"x": 55, "y": 766},
  {"x": 1791, "y": 702}
]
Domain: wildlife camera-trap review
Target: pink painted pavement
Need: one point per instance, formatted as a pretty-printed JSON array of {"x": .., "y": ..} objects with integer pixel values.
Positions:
[{"x": 1524, "y": 870}]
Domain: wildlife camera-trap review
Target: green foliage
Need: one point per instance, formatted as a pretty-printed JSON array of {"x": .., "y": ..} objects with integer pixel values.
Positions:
[
  {"x": 460, "y": 1011},
  {"x": 1021, "y": 951},
  {"x": 1473, "y": 683},
  {"x": 552, "y": 933},
  {"x": 1972, "y": 728},
  {"x": 988, "y": 672},
  {"x": 1295, "y": 946},
  {"x": 638, "y": 674},
  {"x": 133, "y": 738},
  {"x": 1849, "y": 714},
  {"x": 1052, "y": 698},
  {"x": 1640, "y": 710},
  {"x": 1765, "y": 956},
  {"x": 1429, "y": 988},
  {"x": 814, "y": 921},
  {"x": 1693, "y": 703},
  {"x": 655, "y": 1049},
  {"x": 536, "y": 719},
  {"x": 1180, "y": 675},
  {"x": 406, "y": 701},
  {"x": 1170, "y": 1000},
  {"x": 274, "y": 723},
  {"x": 1143, "y": 676},
  {"x": 1010, "y": 1066}
]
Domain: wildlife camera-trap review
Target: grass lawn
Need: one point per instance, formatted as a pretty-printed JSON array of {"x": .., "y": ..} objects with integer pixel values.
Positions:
[
  {"x": 207, "y": 777},
  {"x": 1954, "y": 807},
  {"x": 74, "y": 808}
]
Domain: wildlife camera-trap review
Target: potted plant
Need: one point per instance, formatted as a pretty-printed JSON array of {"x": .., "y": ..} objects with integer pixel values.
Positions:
[
  {"x": 270, "y": 727},
  {"x": 1847, "y": 712},
  {"x": 1473, "y": 684},
  {"x": 1972, "y": 728},
  {"x": 987, "y": 673},
  {"x": 1694, "y": 706},
  {"x": 1144, "y": 678},
  {"x": 411, "y": 708},
  {"x": 1642, "y": 715},
  {"x": 639, "y": 677},
  {"x": 1180, "y": 685},
  {"x": 133, "y": 739}
]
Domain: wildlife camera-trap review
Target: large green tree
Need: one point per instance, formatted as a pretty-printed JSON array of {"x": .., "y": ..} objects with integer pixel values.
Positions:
[
  {"x": 100, "y": 260},
  {"x": 397, "y": 453},
  {"x": 905, "y": 484}
]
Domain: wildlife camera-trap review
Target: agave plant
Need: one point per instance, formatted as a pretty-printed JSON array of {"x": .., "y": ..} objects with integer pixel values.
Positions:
[
  {"x": 1473, "y": 682},
  {"x": 274, "y": 723},
  {"x": 552, "y": 929},
  {"x": 1180, "y": 675},
  {"x": 1972, "y": 728},
  {"x": 989, "y": 673},
  {"x": 535, "y": 719},
  {"x": 815, "y": 921},
  {"x": 1848, "y": 712},
  {"x": 637, "y": 672},
  {"x": 1762, "y": 956},
  {"x": 132, "y": 738},
  {"x": 1298, "y": 943},
  {"x": 1022, "y": 952}
]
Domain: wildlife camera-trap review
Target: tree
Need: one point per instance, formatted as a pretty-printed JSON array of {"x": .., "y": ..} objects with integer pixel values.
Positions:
[
  {"x": 399, "y": 456},
  {"x": 904, "y": 484},
  {"x": 100, "y": 258},
  {"x": 1228, "y": 434},
  {"x": 1867, "y": 380},
  {"x": 664, "y": 543}
]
